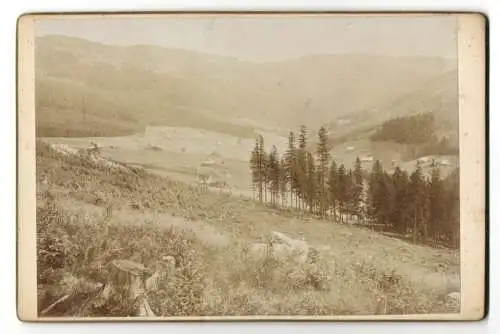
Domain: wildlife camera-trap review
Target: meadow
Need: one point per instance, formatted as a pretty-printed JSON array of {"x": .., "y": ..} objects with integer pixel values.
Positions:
[{"x": 89, "y": 215}]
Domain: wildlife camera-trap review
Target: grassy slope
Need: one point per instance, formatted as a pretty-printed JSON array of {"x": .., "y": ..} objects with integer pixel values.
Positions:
[
  {"x": 69, "y": 108},
  {"x": 149, "y": 216}
]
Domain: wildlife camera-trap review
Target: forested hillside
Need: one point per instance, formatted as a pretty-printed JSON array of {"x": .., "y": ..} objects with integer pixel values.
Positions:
[
  {"x": 417, "y": 129},
  {"x": 438, "y": 96},
  {"x": 412, "y": 205}
]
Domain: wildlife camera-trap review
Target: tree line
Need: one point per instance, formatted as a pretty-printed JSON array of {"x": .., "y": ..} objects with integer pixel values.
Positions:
[
  {"x": 417, "y": 131},
  {"x": 415, "y": 206}
]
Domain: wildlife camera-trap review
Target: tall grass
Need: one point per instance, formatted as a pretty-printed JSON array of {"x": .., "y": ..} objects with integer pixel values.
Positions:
[
  {"x": 80, "y": 246},
  {"x": 75, "y": 245}
]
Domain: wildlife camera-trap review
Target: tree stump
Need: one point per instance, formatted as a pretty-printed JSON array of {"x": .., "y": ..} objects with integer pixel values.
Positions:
[
  {"x": 126, "y": 281},
  {"x": 129, "y": 282},
  {"x": 381, "y": 307}
]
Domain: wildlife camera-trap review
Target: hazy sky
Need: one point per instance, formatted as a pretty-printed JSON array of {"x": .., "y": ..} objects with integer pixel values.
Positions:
[{"x": 267, "y": 38}]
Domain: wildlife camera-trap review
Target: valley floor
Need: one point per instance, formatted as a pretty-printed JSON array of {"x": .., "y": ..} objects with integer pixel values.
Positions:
[{"x": 89, "y": 215}]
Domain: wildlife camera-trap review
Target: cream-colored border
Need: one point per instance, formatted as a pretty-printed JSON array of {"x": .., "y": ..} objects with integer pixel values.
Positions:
[
  {"x": 472, "y": 122},
  {"x": 26, "y": 173},
  {"x": 471, "y": 64}
]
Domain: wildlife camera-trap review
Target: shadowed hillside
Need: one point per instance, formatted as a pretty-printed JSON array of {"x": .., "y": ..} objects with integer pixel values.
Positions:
[
  {"x": 438, "y": 96},
  {"x": 90, "y": 89}
]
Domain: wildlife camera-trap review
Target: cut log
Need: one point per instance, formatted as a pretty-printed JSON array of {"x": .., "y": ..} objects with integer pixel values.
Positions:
[{"x": 54, "y": 304}]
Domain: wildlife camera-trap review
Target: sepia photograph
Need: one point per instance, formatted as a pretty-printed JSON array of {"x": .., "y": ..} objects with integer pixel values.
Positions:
[{"x": 251, "y": 166}]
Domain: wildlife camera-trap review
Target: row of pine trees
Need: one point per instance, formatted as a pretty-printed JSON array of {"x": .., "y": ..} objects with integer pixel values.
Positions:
[{"x": 424, "y": 209}]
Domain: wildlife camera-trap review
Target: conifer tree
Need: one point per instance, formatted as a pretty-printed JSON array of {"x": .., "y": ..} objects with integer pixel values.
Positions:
[
  {"x": 342, "y": 187},
  {"x": 257, "y": 162},
  {"x": 273, "y": 175},
  {"x": 311, "y": 185},
  {"x": 254, "y": 168},
  {"x": 417, "y": 200},
  {"x": 283, "y": 181},
  {"x": 302, "y": 165},
  {"x": 374, "y": 204},
  {"x": 426, "y": 223},
  {"x": 436, "y": 203},
  {"x": 267, "y": 178},
  {"x": 332, "y": 188},
  {"x": 399, "y": 215},
  {"x": 386, "y": 194},
  {"x": 290, "y": 166},
  {"x": 351, "y": 200},
  {"x": 381, "y": 194},
  {"x": 323, "y": 152},
  {"x": 452, "y": 200},
  {"x": 358, "y": 184},
  {"x": 262, "y": 169},
  {"x": 303, "y": 137}
]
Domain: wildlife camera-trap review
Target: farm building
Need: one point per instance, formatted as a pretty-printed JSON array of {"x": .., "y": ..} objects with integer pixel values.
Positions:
[{"x": 367, "y": 159}]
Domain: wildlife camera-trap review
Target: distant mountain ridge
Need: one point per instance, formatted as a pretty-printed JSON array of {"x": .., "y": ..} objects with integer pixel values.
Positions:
[
  {"x": 438, "y": 96},
  {"x": 85, "y": 87}
]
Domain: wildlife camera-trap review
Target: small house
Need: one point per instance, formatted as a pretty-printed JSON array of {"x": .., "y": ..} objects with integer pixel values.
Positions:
[{"x": 367, "y": 159}]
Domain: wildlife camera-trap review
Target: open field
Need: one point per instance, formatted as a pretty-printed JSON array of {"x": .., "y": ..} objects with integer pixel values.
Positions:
[
  {"x": 178, "y": 152},
  {"x": 88, "y": 215}
]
